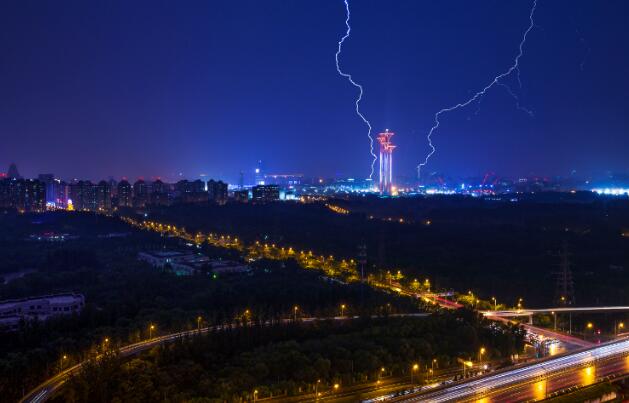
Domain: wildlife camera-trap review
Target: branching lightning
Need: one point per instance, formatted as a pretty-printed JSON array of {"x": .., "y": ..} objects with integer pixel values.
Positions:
[
  {"x": 355, "y": 84},
  {"x": 479, "y": 95}
]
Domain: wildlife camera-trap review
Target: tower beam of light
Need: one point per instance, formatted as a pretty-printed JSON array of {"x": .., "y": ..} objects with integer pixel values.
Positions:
[
  {"x": 479, "y": 95},
  {"x": 355, "y": 84}
]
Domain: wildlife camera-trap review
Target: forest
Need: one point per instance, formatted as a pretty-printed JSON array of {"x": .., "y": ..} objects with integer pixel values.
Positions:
[
  {"x": 505, "y": 247},
  {"x": 289, "y": 359},
  {"x": 124, "y": 296}
]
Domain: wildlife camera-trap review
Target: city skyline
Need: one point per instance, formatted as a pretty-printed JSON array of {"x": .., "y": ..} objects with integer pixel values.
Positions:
[{"x": 161, "y": 96}]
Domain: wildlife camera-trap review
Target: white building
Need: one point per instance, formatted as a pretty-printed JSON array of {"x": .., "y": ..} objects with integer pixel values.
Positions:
[{"x": 41, "y": 308}]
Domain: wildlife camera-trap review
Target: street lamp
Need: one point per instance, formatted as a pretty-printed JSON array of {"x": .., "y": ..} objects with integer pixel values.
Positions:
[
  {"x": 554, "y": 319},
  {"x": 495, "y": 303},
  {"x": 414, "y": 369},
  {"x": 342, "y": 309},
  {"x": 620, "y": 325},
  {"x": 61, "y": 361},
  {"x": 336, "y": 387},
  {"x": 151, "y": 328},
  {"x": 255, "y": 395},
  {"x": 432, "y": 364},
  {"x": 295, "y": 309},
  {"x": 480, "y": 354},
  {"x": 199, "y": 318}
]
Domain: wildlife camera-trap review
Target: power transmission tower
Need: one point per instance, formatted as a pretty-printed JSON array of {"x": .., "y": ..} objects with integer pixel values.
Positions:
[
  {"x": 564, "y": 286},
  {"x": 362, "y": 260}
]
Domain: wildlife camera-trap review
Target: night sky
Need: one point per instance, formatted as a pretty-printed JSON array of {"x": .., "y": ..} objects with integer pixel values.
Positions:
[{"x": 90, "y": 89}]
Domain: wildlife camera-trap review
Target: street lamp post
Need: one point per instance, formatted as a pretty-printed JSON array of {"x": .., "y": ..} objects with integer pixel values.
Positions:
[
  {"x": 589, "y": 326},
  {"x": 495, "y": 303},
  {"x": 555, "y": 319},
  {"x": 255, "y": 395},
  {"x": 480, "y": 355},
  {"x": 342, "y": 309},
  {"x": 61, "y": 361},
  {"x": 151, "y": 328},
  {"x": 295, "y": 309},
  {"x": 619, "y": 326},
  {"x": 199, "y": 323},
  {"x": 317, "y": 389},
  {"x": 414, "y": 369}
]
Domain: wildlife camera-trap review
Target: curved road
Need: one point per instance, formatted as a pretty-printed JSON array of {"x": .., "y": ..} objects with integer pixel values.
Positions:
[{"x": 45, "y": 390}]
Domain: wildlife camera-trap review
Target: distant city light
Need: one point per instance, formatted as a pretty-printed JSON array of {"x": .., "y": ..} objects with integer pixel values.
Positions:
[{"x": 612, "y": 191}]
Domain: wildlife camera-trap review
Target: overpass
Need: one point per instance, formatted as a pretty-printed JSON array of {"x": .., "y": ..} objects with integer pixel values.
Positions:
[
  {"x": 536, "y": 381},
  {"x": 530, "y": 312}
]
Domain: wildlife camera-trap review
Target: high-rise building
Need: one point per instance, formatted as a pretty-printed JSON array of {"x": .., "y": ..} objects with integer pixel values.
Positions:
[
  {"x": 13, "y": 173},
  {"x": 265, "y": 193},
  {"x": 60, "y": 193},
  {"x": 113, "y": 185},
  {"x": 49, "y": 182},
  {"x": 83, "y": 195},
  {"x": 241, "y": 195},
  {"x": 386, "y": 162},
  {"x": 217, "y": 191},
  {"x": 140, "y": 194},
  {"x": 125, "y": 194},
  {"x": 191, "y": 192},
  {"x": 159, "y": 193},
  {"x": 23, "y": 194},
  {"x": 103, "y": 196},
  {"x": 197, "y": 186},
  {"x": 259, "y": 174}
]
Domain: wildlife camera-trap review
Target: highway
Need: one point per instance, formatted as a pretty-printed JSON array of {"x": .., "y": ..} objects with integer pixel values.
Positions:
[
  {"x": 536, "y": 381},
  {"x": 529, "y": 312}
]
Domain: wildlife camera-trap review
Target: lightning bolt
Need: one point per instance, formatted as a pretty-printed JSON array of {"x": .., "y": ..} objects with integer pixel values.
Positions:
[
  {"x": 355, "y": 84},
  {"x": 515, "y": 67}
]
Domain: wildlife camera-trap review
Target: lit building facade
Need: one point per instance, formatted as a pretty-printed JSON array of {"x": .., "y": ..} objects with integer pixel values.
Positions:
[{"x": 265, "y": 193}]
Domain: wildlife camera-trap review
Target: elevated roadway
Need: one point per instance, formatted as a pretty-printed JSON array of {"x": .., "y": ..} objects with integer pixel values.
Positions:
[
  {"x": 536, "y": 381},
  {"x": 530, "y": 312}
]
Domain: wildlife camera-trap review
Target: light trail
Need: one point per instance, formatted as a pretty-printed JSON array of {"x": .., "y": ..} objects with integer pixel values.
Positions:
[
  {"x": 355, "y": 84},
  {"x": 475, "y": 389},
  {"x": 478, "y": 96}
]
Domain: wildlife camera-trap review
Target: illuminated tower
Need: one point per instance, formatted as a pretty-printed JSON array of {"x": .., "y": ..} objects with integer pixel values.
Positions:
[{"x": 386, "y": 161}]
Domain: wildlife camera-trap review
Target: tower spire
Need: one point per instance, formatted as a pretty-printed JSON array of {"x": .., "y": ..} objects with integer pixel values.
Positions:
[{"x": 386, "y": 162}]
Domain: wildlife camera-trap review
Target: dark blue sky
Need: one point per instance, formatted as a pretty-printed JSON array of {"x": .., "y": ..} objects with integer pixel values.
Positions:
[{"x": 154, "y": 88}]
